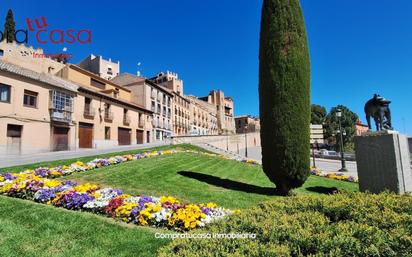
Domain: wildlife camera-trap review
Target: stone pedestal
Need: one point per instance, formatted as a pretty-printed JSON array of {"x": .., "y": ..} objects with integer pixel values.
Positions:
[{"x": 383, "y": 162}]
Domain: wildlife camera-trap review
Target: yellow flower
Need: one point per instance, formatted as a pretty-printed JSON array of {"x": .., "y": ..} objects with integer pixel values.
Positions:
[
  {"x": 86, "y": 188},
  {"x": 51, "y": 183},
  {"x": 211, "y": 205},
  {"x": 169, "y": 199}
]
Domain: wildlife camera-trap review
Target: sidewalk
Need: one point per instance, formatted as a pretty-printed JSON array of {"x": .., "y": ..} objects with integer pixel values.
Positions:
[{"x": 14, "y": 160}]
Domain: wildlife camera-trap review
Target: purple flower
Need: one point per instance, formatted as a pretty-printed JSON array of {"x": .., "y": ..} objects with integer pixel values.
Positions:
[
  {"x": 134, "y": 212},
  {"x": 42, "y": 172},
  {"x": 45, "y": 195},
  {"x": 69, "y": 183},
  {"x": 143, "y": 199},
  {"x": 76, "y": 200},
  {"x": 8, "y": 176},
  {"x": 205, "y": 210}
]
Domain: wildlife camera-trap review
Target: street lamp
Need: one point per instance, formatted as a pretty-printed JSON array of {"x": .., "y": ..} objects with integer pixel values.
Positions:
[
  {"x": 342, "y": 133},
  {"x": 313, "y": 153},
  {"x": 246, "y": 128}
]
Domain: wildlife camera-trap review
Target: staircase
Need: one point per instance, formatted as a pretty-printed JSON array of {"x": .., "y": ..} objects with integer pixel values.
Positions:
[{"x": 217, "y": 150}]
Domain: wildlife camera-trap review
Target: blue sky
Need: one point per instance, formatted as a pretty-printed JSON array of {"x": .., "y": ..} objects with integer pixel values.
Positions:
[{"x": 357, "y": 47}]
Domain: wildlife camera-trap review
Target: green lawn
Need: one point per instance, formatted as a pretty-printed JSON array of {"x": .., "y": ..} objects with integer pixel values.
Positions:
[
  {"x": 30, "y": 229},
  {"x": 37, "y": 230}
]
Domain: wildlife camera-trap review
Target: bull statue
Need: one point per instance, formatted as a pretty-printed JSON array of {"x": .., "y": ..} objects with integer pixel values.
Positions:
[{"x": 378, "y": 109}]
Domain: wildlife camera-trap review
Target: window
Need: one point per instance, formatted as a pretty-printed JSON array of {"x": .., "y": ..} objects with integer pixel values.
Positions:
[
  {"x": 1, "y": 53},
  {"x": 30, "y": 99},
  {"x": 14, "y": 130},
  {"x": 107, "y": 133},
  {"x": 62, "y": 101},
  {"x": 153, "y": 106},
  {"x": 5, "y": 93},
  {"x": 98, "y": 84}
]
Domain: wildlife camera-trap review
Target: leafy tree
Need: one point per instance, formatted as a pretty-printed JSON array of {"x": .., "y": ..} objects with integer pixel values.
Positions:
[
  {"x": 284, "y": 94},
  {"x": 318, "y": 114},
  {"x": 348, "y": 125},
  {"x": 9, "y": 27}
]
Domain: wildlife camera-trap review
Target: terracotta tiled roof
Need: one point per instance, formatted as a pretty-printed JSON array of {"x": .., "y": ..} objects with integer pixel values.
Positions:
[{"x": 41, "y": 77}]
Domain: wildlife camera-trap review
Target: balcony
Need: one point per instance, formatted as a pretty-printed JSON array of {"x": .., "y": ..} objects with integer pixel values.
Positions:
[
  {"x": 108, "y": 116},
  {"x": 89, "y": 113},
  {"x": 126, "y": 119},
  {"x": 60, "y": 115}
]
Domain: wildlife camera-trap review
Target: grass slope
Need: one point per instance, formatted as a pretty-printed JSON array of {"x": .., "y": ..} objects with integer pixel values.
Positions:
[
  {"x": 30, "y": 229},
  {"x": 199, "y": 178}
]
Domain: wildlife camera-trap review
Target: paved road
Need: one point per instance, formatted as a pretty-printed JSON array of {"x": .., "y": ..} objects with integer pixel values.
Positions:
[
  {"x": 323, "y": 164},
  {"x": 13, "y": 160}
]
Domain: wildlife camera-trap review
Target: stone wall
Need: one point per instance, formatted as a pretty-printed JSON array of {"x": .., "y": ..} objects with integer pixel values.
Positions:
[{"x": 233, "y": 142}]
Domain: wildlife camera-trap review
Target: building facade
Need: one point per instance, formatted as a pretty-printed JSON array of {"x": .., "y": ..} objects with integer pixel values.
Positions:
[
  {"x": 106, "y": 69},
  {"x": 152, "y": 97},
  {"x": 360, "y": 128},
  {"x": 203, "y": 118},
  {"x": 105, "y": 114},
  {"x": 36, "y": 111},
  {"x": 246, "y": 124},
  {"x": 181, "y": 105},
  {"x": 224, "y": 111}
]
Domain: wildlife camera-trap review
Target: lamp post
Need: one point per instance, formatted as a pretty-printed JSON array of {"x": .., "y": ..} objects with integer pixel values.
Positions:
[
  {"x": 342, "y": 133},
  {"x": 313, "y": 154},
  {"x": 246, "y": 128}
]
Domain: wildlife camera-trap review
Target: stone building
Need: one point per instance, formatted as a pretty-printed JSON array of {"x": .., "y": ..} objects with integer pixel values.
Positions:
[
  {"x": 36, "y": 111},
  {"x": 106, "y": 69},
  {"x": 203, "y": 119},
  {"x": 224, "y": 111},
  {"x": 105, "y": 113},
  {"x": 246, "y": 124},
  {"x": 360, "y": 128},
  {"x": 181, "y": 105},
  {"x": 153, "y": 97}
]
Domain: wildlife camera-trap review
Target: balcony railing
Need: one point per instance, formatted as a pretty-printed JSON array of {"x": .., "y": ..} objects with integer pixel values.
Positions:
[
  {"x": 108, "y": 116},
  {"x": 60, "y": 115},
  {"x": 89, "y": 113},
  {"x": 126, "y": 119}
]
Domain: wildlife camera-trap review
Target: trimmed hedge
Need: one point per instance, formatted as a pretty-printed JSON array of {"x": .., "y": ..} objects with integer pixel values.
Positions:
[{"x": 347, "y": 224}]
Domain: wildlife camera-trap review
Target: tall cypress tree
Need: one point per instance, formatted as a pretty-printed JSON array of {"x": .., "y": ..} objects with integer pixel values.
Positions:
[
  {"x": 10, "y": 27},
  {"x": 284, "y": 94}
]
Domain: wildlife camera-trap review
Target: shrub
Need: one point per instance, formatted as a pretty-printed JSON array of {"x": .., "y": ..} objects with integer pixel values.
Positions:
[
  {"x": 349, "y": 224},
  {"x": 284, "y": 94}
]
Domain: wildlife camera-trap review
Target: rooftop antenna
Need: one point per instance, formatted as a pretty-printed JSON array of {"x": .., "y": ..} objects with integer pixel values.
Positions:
[{"x": 138, "y": 68}]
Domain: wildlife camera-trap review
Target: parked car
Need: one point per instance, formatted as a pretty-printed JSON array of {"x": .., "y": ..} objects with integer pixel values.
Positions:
[{"x": 325, "y": 152}]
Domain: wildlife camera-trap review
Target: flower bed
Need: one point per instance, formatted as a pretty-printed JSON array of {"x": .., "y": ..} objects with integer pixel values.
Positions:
[
  {"x": 334, "y": 175},
  {"x": 41, "y": 186},
  {"x": 165, "y": 211},
  {"x": 317, "y": 172}
]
